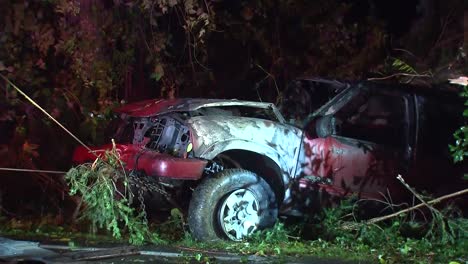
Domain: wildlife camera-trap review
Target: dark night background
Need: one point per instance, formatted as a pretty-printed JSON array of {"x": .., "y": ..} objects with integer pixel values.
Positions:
[{"x": 87, "y": 56}]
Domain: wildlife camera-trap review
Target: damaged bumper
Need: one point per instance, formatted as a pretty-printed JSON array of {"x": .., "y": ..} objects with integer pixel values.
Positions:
[{"x": 152, "y": 163}]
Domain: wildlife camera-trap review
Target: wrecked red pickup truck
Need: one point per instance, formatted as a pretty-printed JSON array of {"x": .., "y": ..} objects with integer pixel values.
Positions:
[{"x": 245, "y": 163}]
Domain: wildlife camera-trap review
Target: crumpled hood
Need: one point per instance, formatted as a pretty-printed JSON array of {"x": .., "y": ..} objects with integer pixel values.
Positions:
[
  {"x": 148, "y": 107},
  {"x": 153, "y": 107}
]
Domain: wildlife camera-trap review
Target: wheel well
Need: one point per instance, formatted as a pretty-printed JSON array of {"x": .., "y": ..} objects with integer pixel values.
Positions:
[{"x": 262, "y": 165}]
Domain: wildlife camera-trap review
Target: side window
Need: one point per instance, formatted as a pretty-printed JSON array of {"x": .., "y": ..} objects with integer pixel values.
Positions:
[
  {"x": 378, "y": 119},
  {"x": 439, "y": 119}
]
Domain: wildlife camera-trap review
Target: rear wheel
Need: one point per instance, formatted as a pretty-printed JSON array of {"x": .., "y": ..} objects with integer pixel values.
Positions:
[{"x": 231, "y": 205}]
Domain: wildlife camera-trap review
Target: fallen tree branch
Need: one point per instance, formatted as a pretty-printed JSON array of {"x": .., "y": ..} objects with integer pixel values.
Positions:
[
  {"x": 375, "y": 220},
  {"x": 415, "y": 193},
  {"x": 435, "y": 201}
]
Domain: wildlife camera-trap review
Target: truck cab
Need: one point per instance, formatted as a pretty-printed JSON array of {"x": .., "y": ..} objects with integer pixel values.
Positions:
[{"x": 367, "y": 135}]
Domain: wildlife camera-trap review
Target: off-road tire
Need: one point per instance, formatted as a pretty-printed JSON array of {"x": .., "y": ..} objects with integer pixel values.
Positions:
[{"x": 204, "y": 208}]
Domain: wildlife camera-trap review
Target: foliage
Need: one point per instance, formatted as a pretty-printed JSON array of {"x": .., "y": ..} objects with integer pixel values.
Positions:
[
  {"x": 173, "y": 228},
  {"x": 79, "y": 59},
  {"x": 105, "y": 204},
  {"x": 402, "y": 66},
  {"x": 400, "y": 239},
  {"x": 460, "y": 149}
]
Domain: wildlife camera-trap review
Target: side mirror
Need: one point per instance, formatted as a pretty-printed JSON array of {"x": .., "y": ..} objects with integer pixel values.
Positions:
[{"x": 327, "y": 126}]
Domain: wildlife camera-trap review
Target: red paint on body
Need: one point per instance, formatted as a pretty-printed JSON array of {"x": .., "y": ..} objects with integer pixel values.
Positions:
[
  {"x": 346, "y": 169},
  {"x": 151, "y": 162}
]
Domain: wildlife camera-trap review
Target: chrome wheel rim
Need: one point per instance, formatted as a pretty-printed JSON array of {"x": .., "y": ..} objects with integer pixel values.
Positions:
[{"x": 239, "y": 214}]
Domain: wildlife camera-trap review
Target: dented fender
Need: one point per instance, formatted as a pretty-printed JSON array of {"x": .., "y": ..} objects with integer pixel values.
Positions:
[{"x": 212, "y": 135}]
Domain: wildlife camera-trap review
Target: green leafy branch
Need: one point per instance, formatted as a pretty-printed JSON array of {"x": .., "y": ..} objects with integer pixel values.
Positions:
[
  {"x": 460, "y": 148},
  {"x": 104, "y": 190}
]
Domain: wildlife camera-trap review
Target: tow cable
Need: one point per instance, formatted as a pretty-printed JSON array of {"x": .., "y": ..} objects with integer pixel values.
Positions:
[
  {"x": 44, "y": 111},
  {"x": 136, "y": 180},
  {"x": 33, "y": 171}
]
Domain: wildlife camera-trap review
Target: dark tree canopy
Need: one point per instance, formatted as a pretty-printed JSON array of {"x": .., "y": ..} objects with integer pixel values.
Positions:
[{"x": 86, "y": 56}]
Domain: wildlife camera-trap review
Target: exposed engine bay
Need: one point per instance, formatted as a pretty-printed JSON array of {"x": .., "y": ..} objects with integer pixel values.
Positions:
[{"x": 165, "y": 134}]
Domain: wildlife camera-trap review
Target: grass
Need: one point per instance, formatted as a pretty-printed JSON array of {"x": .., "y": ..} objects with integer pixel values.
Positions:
[
  {"x": 386, "y": 243},
  {"x": 390, "y": 248}
]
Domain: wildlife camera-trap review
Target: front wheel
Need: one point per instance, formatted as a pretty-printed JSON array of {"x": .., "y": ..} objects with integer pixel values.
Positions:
[{"x": 232, "y": 204}]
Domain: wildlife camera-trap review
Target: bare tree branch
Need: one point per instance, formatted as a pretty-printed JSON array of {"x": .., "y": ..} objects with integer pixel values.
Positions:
[{"x": 386, "y": 217}]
